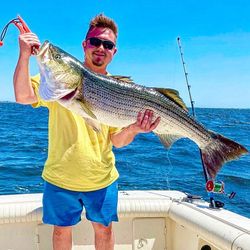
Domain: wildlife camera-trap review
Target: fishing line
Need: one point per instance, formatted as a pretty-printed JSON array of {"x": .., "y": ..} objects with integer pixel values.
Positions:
[
  {"x": 169, "y": 169},
  {"x": 4, "y": 31}
]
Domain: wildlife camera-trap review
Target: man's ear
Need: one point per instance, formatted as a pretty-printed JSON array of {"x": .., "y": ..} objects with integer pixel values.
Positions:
[
  {"x": 115, "y": 50},
  {"x": 84, "y": 44}
]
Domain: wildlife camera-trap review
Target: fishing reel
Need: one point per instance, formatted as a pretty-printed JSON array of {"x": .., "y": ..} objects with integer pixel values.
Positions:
[{"x": 217, "y": 187}]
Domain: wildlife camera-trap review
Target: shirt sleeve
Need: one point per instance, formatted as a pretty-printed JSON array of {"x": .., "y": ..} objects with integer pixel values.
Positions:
[
  {"x": 113, "y": 130},
  {"x": 35, "y": 82}
]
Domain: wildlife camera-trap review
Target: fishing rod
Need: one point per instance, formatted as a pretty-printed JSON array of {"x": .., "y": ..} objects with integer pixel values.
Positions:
[
  {"x": 186, "y": 75},
  {"x": 190, "y": 98},
  {"x": 211, "y": 186}
]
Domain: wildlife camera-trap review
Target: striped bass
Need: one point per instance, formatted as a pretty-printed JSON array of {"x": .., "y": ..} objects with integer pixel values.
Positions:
[{"x": 116, "y": 101}]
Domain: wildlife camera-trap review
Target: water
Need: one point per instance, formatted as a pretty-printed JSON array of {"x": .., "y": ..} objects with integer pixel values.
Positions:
[{"x": 144, "y": 164}]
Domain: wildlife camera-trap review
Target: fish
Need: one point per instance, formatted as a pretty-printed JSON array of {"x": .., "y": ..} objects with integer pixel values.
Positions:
[{"x": 116, "y": 101}]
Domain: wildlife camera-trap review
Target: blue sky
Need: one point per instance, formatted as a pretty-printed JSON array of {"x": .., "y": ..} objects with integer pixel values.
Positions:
[{"x": 215, "y": 37}]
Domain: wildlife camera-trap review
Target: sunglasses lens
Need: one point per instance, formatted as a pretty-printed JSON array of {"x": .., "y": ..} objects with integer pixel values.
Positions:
[
  {"x": 94, "y": 41},
  {"x": 108, "y": 45}
]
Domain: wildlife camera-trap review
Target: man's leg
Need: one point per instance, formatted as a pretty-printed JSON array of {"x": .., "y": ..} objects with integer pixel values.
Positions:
[
  {"x": 62, "y": 209},
  {"x": 62, "y": 238},
  {"x": 104, "y": 236}
]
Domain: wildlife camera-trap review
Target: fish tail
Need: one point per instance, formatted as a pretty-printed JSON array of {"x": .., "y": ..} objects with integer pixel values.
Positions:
[{"x": 218, "y": 151}]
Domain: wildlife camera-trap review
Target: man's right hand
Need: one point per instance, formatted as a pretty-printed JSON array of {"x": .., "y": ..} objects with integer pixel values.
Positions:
[
  {"x": 24, "y": 92},
  {"x": 26, "y": 42}
]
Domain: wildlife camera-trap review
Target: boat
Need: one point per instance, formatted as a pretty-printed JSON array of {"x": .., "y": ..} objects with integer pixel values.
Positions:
[{"x": 150, "y": 219}]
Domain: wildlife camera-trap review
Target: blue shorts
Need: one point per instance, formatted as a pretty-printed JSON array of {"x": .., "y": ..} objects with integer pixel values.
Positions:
[{"x": 62, "y": 207}]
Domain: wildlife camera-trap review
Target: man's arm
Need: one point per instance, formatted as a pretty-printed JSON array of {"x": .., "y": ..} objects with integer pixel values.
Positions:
[
  {"x": 144, "y": 124},
  {"x": 24, "y": 92}
]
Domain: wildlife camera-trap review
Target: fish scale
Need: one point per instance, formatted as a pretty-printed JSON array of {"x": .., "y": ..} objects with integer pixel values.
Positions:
[{"x": 93, "y": 90}]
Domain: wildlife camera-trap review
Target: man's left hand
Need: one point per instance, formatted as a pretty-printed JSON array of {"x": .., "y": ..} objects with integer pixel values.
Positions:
[{"x": 145, "y": 123}]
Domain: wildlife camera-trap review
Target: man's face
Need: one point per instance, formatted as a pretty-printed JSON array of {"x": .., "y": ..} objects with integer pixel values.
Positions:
[{"x": 98, "y": 56}]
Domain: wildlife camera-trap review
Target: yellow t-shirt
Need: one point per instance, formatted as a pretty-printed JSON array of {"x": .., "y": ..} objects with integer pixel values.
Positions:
[{"x": 79, "y": 158}]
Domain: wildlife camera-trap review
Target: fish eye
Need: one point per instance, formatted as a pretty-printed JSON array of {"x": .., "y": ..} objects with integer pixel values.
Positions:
[{"x": 57, "y": 56}]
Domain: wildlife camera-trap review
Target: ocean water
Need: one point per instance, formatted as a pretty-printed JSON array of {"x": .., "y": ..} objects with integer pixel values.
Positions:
[{"x": 143, "y": 165}]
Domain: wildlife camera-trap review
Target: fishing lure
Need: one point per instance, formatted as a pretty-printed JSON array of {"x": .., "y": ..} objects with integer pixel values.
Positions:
[{"x": 23, "y": 28}]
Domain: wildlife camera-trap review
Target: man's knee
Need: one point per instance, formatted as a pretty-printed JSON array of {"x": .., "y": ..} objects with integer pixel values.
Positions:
[
  {"x": 102, "y": 231},
  {"x": 62, "y": 232}
]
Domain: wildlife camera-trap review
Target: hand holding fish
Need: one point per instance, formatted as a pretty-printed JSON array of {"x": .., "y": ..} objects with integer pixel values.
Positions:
[
  {"x": 26, "y": 42},
  {"x": 24, "y": 93},
  {"x": 145, "y": 123}
]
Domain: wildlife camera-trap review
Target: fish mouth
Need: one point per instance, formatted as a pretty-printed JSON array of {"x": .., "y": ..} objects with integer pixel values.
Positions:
[
  {"x": 70, "y": 95},
  {"x": 43, "y": 49}
]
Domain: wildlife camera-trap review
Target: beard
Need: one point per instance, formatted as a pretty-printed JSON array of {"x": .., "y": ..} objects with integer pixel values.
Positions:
[
  {"x": 98, "y": 60},
  {"x": 97, "y": 63}
]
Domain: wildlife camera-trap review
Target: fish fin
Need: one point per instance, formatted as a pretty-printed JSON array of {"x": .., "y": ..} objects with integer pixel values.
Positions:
[
  {"x": 219, "y": 151},
  {"x": 93, "y": 123},
  {"x": 168, "y": 139},
  {"x": 126, "y": 79},
  {"x": 174, "y": 96},
  {"x": 87, "y": 110},
  {"x": 82, "y": 110}
]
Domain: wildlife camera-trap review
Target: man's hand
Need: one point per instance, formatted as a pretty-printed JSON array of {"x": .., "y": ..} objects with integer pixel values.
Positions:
[
  {"x": 24, "y": 92},
  {"x": 145, "y": 123},
  {"x": 26, "y": 42}
]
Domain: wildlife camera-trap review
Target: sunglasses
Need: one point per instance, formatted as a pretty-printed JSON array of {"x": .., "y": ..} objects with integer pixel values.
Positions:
[{"x": 94, "y": 41}]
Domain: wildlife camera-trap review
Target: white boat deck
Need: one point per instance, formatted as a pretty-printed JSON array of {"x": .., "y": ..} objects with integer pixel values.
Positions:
[{"x": 147, "y": 220}]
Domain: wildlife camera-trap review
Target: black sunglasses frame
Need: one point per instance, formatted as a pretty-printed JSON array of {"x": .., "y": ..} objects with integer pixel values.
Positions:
[{"x": 97, "y": 42}]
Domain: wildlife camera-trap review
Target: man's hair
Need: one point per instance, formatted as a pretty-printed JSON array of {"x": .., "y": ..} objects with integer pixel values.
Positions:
[{"x": 102, "y": 21}]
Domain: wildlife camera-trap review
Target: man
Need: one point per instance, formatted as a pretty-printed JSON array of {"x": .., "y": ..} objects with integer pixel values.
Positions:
[{"x": 80, "y": 169}]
